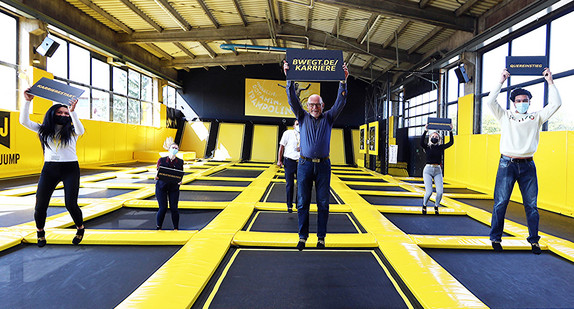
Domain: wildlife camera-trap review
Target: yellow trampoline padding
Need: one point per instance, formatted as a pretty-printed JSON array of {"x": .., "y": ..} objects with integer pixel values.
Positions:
[
  {"x": 416, "y": 210},
  {"x": 391, "y": 193},
  {"x": 8, "y": 240},
  {"x": 370, "y": 183},
  {"x": 211, "y": 188},
  {"x": 135, "y": 186},
  {"x": 180, "y": 205},
  {"x": 471, "y": 196},
  {"x": 179, "y": 282},
  {"x": 470, "y": 242},
  {"x": 115, "y": 237},
  {"x": 561, "y": 247},
  {"x": 225, "y": 178},
  {"x": 8, "y": 203},
  {"x": 312, "y": 208},
  {"x": 264, "y": 239},
  {"x": 247, "y": 168}
]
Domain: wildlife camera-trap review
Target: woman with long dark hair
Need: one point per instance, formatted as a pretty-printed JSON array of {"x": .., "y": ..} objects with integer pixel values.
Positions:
[{"x": 58, "y": 135}]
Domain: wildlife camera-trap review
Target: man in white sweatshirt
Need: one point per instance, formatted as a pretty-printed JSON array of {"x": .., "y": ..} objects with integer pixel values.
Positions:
[{"x": 520, "y": 132}]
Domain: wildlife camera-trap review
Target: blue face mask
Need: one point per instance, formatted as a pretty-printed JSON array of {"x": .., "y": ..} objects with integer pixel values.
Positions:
[
  {"x": 522, "y": 107},
  {"x": 173, "y": 151}
]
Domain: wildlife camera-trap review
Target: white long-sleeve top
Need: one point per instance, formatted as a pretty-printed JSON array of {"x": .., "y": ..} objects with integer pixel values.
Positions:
[
  {"x": 520, "y": 133},
  {"x": 56, "y": 152}
]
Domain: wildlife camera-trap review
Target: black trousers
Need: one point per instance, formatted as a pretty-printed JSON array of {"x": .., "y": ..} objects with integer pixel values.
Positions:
[
  {"x": 290, "y": 172},
  {"x": 165, "y": 191},
  {"x": 52, "y": 173}
]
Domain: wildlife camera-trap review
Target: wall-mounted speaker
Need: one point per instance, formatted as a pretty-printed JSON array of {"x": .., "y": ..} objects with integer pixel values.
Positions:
[
  {"x": 47, "y": 47},
  {"x": 461, "y": 75}
]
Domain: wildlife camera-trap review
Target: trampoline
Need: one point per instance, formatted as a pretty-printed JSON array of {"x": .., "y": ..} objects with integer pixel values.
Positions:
[
  {"x": 283, "y": 222},
  {"x": 247, "y": 173},
  {"x": 276, "y": 194},
  {"x": 377, "y": 188},
  {"x": 204, "y": 196},
  {"x": 62, "y": 276},
  {"x": 439, "y": 225},
  {"x": 15, "y": 215},
  {"x": 265, "y": 278},
  {"x": 128, "y": 180},
  {"x": 145, "y": 219},
  {"x": 367, "y": 179},
  {"x": 511, "y": 279},
  {"x": 550, "y": 222},
  {"x": 460, "y": 191},
  {"x": 231, "y": 183},
  {"x": 394, "y": 200},
  {"x": 92, "y": 192}
]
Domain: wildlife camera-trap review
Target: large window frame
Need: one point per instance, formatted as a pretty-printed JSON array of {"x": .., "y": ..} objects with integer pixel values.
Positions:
[{"x": 13, "y": 78}]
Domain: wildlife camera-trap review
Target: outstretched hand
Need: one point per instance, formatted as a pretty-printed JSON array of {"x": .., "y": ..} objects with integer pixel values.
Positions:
[
  {"x": 285, "y": 67},
  {"x": 548, "y": 76},
  {"x": 73, "y": 103},
  {"x": 346, "y": 71},
  {"x": 28, "y": 96},
  {"x": 505, "y": 75}
]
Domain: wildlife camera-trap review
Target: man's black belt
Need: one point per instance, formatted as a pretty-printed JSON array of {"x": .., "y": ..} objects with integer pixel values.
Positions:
[
  {"x": 314, "y": 160},
  {"x": 524, "y": 160}
]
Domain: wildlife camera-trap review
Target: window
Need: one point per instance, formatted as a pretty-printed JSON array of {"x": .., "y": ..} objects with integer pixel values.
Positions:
[
  {"x": 418, "y": 109},
  {"x": 8, "y": 63}
]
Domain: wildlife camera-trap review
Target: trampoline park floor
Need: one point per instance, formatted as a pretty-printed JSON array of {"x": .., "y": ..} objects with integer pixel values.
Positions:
[{"x": 236, "y": 245}]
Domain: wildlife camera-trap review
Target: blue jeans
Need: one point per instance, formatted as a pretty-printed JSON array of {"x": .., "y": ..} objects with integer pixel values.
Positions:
[
  {"x": 508, "y": 173},
  {"x": 431, "y": 172},
  {"x": 163, "y": 191},
  {"x": 290, "y": 172},
  {"x": 320, "y": 173}
]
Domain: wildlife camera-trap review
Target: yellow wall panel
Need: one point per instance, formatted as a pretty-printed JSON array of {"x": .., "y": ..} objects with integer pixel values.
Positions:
[
  {"x": 229, "y": 141},
  {"x": 570, "y": 174},
  {"x": 195, "y": 137},
  {"x": 355, "y": 140},
  {"x": 264, "y": 145},
  {"x": 337, "y": 152},
  {"x": 552, "y": 153},
  {"x": 465, "y": 114}
]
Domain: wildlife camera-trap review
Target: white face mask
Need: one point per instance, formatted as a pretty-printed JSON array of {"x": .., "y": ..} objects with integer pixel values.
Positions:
[
  {"x": 173, "y": 151},
  {"x": 297, "y": 128},
  {"x": 522, "y": 107}
]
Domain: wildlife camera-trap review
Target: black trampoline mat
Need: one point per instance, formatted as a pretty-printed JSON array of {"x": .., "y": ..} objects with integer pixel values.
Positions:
[
  {"x": 18, "y": 182},
  {"x": 370, "y": 179},
  {"x": 511, "y": 279},
  {"x": 308, "y": 279},
  {"x": 288, "y": 223},
  {"x": 438, "y": 225},
  {"x": 394, "y": 200},
  {"x": 233, "y": 183},
  {"x": 24, "y": 215},
  {"x": 62, "y": 276},
  {"x": 377, "y": 188},
  {"x": 92, "y": 193},
  {"x": 206, "y": 196},
  {"x": 278, "y": 194},
  {"x": 128, "y": 180},
  {"x": 460, "y": 191},
  {"x": 145, "y": 219},
  {"x": 237, "y": 173},
  {"x": 412, "y": 181},
  {"x": 550, "y": 223},
  {"x": 130, "y": 164}
]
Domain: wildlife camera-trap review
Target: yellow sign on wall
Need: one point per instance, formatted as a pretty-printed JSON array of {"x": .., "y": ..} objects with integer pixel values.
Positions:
[{"x": 267, "y": 98}]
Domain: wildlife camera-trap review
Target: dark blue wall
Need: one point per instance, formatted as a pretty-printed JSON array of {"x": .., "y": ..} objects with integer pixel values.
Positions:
[{"x": 220, "y": 94}]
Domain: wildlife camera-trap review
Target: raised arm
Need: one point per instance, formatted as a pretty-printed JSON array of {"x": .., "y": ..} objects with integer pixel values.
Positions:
[
  {"x": 423, "y": 137},
  {"x": 25, "y": 114},
  {"x": 292, "y": 97},
  {"x": 554, "y": 101},
  {"x": 78, "y": 127},
  {"x": 495, "y": 108},
  {"x": 336, "y": 110},
  {"x": 451, "y": 140}
]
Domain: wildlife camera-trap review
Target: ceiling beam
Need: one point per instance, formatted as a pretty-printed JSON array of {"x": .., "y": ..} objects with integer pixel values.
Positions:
[
  {"x": 225, "y": 60},
  {"x": 184, "y": 49},
  {"x": 425, "y": 39},
  {"x": 409, "y": 10},
  {"x": 168, "y": 9},
  {"x": 337, "y": 24},
  {"x": 309, "y": 15},
  {"x": 362, "y": 37},
  {"x": 398, "y": 31},
  {"x": 423, "y": 3},
  {"x": 240, "y": 12},
  {"x": 208, "y": 13},
  {"x": 107, "y": 16},
  {"x": 210, "y": 51},
  {"x": 465, "y": 7},
  {"x": 159, "y": 51},
  {"x": 251, "y": 31},
  {"x": 142, "y": 15}
]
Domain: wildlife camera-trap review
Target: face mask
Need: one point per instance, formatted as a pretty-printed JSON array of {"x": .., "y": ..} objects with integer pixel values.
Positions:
[
  {"x": 173, "y": 151},
  {"x": 522, "y": 107},
  {"x": 62, "y": 120},
  {"x": 434, "y": 140},
  {"x": 297, "y": 128}
]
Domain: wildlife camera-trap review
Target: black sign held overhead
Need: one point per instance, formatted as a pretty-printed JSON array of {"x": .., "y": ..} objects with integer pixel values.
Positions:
[
  {"x": 55, "y": 91},
  {"x": 439, "y": 124},
  {"x": 526, "y": 65},
  {"x": 5, "y": 129},
  {"x": 315, "y": 65}
]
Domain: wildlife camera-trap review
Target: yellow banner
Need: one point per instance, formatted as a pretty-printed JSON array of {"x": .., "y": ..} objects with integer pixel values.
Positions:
[{"x": 267, "y": 98}]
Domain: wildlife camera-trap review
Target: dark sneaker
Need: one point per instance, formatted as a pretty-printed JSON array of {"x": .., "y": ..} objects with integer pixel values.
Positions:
[
  {"x": 321, "y": 243},
  {"x": 436, "y": 210},
  {"x": 424, "y": 210},
  {"x": 79, "y": 236},
  {"x": 301, "y": 244},
  {"x": 290, "y": 209},
  {"x": 41, "y": 235},
  {"x": 497, "y": 246},
  {"x": 536, "y": 248}
]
